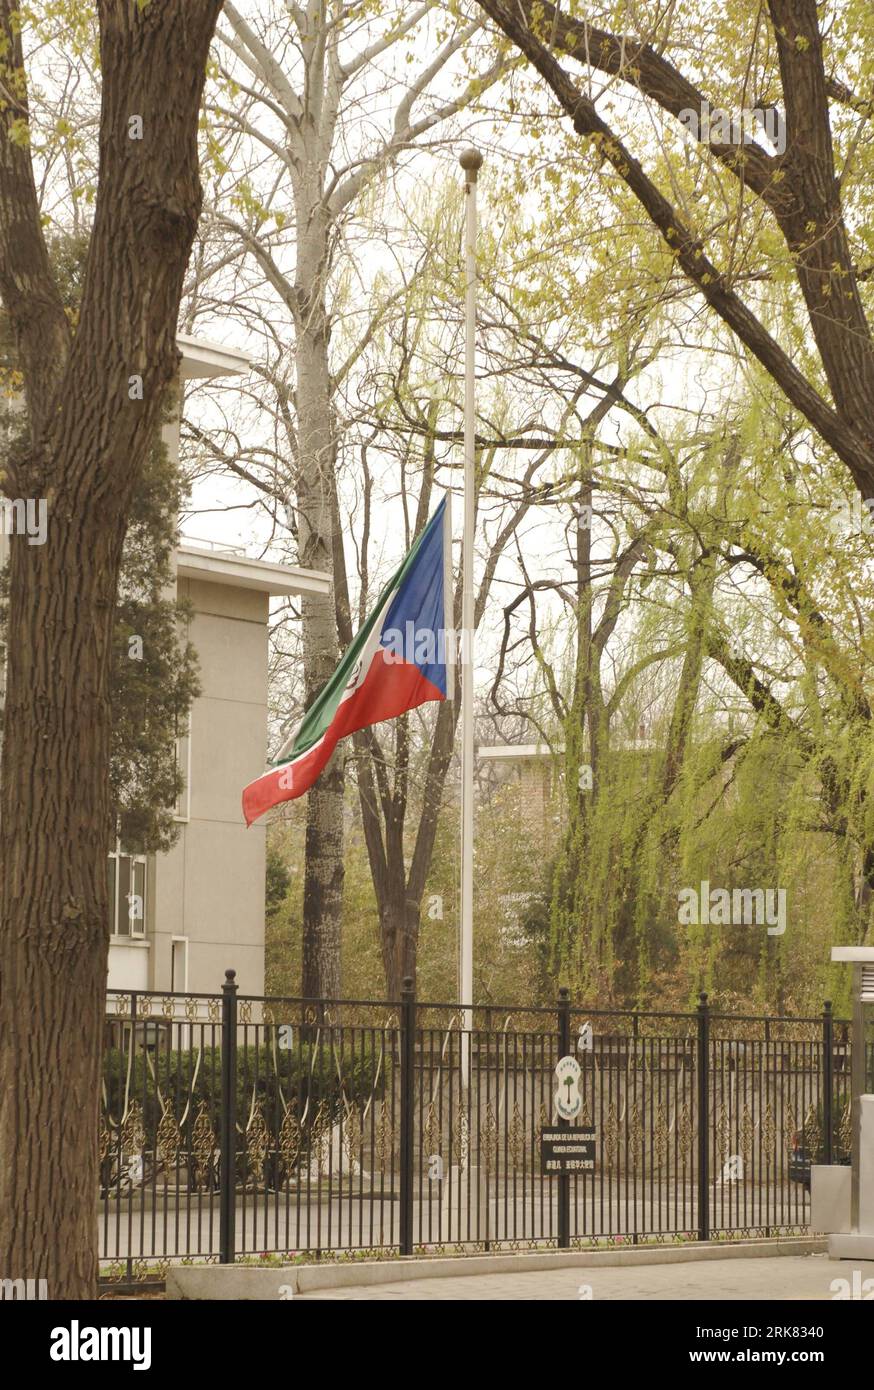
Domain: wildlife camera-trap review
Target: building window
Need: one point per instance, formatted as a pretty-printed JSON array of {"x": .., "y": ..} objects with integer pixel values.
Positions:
[{"x": 127, "y": 893}]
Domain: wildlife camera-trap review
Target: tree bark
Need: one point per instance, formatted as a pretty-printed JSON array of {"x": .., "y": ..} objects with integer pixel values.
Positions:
[
  {"x": 399, "y": 930},
  {"x": 324, "y": 869},
  {"x": 89, "y": 436}
]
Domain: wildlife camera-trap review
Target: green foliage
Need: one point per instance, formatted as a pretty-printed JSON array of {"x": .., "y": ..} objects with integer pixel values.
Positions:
[
  {"x": 154, "y": 671},
  {"x": 774, "y": 777},
  {"x": 511, "y": 957},
  {"x": 310, "y": 1079},
  {"x": 278, "y": 879},
  {"x": 277, "y": 1077}
]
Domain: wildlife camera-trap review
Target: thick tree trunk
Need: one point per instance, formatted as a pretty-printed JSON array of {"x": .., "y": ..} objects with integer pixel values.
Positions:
[
  {"x": 324, "y": 868},
  {"x": 399, "y": 935},
  {"x": 90, "y": 433},
  {"x": 54, "y": 815},
  {"x": 323, "y": 885}
]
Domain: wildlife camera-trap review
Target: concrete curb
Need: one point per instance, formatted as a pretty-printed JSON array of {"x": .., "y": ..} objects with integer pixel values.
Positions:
[{"x": 251, "y": 1282}]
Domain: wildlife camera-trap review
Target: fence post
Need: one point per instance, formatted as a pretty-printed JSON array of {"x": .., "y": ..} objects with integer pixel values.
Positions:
[
  {"x": 703, "y": 1111},
  {"x": 408, "y": 1059},
  {"x": 228, "y": 1127},
  {"x": 564, "y": 1182},
  {"x": 828, "y": 1082}
]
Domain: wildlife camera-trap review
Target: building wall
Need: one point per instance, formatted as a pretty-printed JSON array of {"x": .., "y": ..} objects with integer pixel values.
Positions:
[
  {"x": 209, "y": 889},
  {"x": 535, "y": 777}
]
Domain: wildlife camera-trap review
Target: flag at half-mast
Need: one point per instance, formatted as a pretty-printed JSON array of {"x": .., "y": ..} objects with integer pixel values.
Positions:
[{"x": 402, "y": 657}]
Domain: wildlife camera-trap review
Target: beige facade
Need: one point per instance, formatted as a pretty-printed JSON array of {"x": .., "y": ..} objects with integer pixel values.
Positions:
[
  {"x": 209, "y": 889},
  {"x": 204, "y": 900}
]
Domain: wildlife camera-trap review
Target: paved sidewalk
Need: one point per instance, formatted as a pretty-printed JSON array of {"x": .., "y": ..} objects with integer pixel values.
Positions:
[{"x": 781, "y": 1279}]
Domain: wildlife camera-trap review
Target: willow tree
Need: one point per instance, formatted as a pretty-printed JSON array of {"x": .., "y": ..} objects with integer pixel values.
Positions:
[
  {"x": 772, "y": 238},
  {"x": 94, "y": 389},
  {"x": 747, "y": 645},
  {"x": 742, "y": 213}
]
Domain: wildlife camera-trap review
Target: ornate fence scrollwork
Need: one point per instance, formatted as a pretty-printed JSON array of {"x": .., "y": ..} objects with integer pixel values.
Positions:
[{"x": 203, "y": 1147}]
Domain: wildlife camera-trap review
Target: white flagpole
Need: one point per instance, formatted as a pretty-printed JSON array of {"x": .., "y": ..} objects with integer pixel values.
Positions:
[{"x": 471, "y": 162}]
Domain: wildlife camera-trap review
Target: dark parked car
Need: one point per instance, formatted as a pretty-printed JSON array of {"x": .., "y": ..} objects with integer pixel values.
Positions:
[{"x": 800, "y": 1156}]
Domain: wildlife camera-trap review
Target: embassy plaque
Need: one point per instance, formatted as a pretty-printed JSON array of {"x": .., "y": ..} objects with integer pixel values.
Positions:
[{"x": 567, "y": 1150}]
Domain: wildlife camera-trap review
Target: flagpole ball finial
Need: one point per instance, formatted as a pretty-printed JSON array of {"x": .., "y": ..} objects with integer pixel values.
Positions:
[{"x": 471, "y": 162}]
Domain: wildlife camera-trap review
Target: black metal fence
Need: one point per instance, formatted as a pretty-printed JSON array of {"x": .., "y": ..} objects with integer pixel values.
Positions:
[{"x": 239, "y": 1127}]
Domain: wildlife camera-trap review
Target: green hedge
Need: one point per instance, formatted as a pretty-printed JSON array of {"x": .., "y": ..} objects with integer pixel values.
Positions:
[{"x": 304, "y": 1074}]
